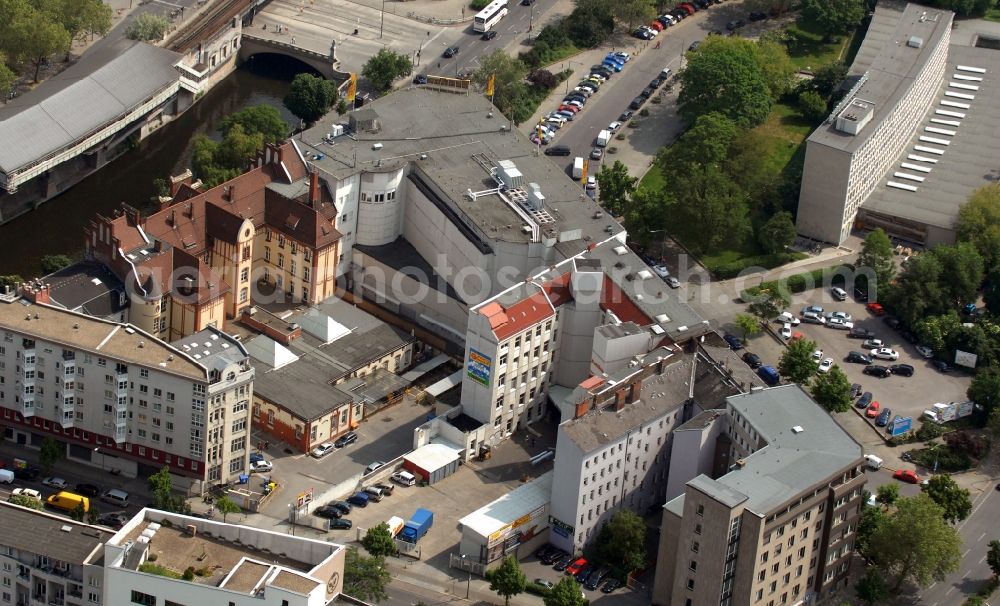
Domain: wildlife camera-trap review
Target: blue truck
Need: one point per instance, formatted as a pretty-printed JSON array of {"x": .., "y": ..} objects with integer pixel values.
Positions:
[{"x": 420, "y": 522}]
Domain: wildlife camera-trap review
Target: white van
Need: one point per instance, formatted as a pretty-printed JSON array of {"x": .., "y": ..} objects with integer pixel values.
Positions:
[
  {"x": 603, "y": 138},
  {"x": 932, "y": 416},
  {"x": 6, "y": 476},
  {"x": 873, "y": 461},
  {"x": 115, "y": 497},
  {"x": 404, "y": 478},
  {"x": 838, "y": 293},
  {"x": 578, "y": 168}
]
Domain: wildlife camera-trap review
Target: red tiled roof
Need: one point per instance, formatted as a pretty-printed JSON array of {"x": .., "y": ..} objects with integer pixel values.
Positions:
[
  {"x": 298, "y": 221},
  {"x": 591, "y": 382},
  {"x": 615, "y": 300}
]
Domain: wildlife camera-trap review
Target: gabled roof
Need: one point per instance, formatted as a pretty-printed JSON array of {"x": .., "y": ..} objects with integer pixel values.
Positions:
[
  {"x": 270, "y": 352},
  {"x": 298, "y": 220},
  {"x": 322, "y": 326}
]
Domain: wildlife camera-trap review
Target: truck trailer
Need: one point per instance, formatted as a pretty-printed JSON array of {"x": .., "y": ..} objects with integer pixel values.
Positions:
[{"x": 420, "y": 522}]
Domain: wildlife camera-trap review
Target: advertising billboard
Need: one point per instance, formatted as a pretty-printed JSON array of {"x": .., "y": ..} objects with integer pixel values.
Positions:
[
  {"x": 900, "y": 425},
  {"x": 479, "y": 367}
]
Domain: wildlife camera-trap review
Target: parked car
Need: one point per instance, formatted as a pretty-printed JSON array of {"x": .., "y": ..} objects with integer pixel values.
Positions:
[
  {"x": 420, "y": 79},
  {"x": 734, "y": 342},
  {"x": 874, "y": 308},
  {"x": 346, "y": 439},
  {"x": 576, "y": 566},
  {"x": 544, "y": 583},
  {"x": 817, "y": 356},
  {"x": 55, "y": 482},
  {"x": 941, "y": 366},
  {"x": 256, "y": 456},
  {"x": 757, "y": 16},
  {"x": 877, "y": 370},
  {"x": 614, "y": 126},
  {"x": 864, "y": 400},
  {"x": 694, "y": 45},
  {"x": 591, "y": 183},
  {"x": 786, "y": 331},
  {"x": 907, "y": 475},
  {"x": 885, "y": 353},
  {"x": 752, "y": 360},
  {"x": 610, "y": 585},
  {"x": 673, "y": 282},
  {"x": 340, "y": 524},
  {"x": 359, "y": 499},
  {"x": 594, "y": 578},
  {"x": 661, "y": 270},
  {"x": 597, "y": 153},
  {"x": 489, "y": 35},
  {"x": 843, "y": 315},
  {"x": 450, "y": 52},
  {"x": 839, "y": 324},
  {"x": 872, "y": 344},
  {"x": 855, "y": 390},
  {"x": 858, "y": 357},
  {"x": 386, "y": 489},
  {"x": 636, "y": 103},
  {"x": 813, "y": 318},
  {"x": 112, "y": 520},
  {"x": 825, "y": 366},
  {"x": 872, "y": 411},
  {"x": 812, "y": 309},
  {"x": 883, "y": 417},
  {"x": 261, "y": 466},
  {"x": 903, "y": 370},
  {"x": 344, "y": 507},
  {"x": 328, "y": 511},
  {"x": 558, "y": 150},
  {"x": 860, "y": 333},
  {"x": 625, "y": 116},
  {"x": 891, "y": 322},
  {"x": 322, "y": 450},
  {"x": 26, "y": 473},
  {"x": 87, "y": 490},
  {"x": 29, "y": 493},
  {"x": 735, "y": 25},
  {"x": 787, "y": 318},
  {"x": 563, "y": 563},
  {"x": 925, "y": 351},
  {"x": 372, "y": 467}
]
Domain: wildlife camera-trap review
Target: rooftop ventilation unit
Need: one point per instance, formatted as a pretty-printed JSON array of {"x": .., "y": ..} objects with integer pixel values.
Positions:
[
  {"x": 797, "y": 429},
  {"x": 915, "y": 42},
  {"x": 509, "y": 176},
  {"x": 536, "y": 200}
]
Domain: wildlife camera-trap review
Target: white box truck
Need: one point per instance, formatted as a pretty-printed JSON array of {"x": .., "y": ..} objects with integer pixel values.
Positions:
[
  {"x": 873, "y": 461},
  {"x": 603, "y": 138},
  {"x": 578, "y": 168}
]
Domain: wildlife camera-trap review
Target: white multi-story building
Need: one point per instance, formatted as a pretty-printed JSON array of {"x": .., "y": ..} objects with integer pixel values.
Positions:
[
  {"x": 896, "y": 77},
  {"x": 236, "y": 565},
  {"x": 117, "y": 397}
]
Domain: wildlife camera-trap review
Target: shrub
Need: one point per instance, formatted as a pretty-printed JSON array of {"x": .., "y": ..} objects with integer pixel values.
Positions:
[
  {"x": 612, "y": 150},
  {"x": 656, "y": 100},
  {"x": 644, "y": 112},
  {"x": 967, "y": 443},
  {"x": 620, "y": 136},
  {"x": 478, "y": 5},
  {"x": 929, "y": 431},
  {"x": 543, "y": 78},
  {"x": 535, "y": 588},
  {"x": 188, "y": 574},
  {"x": 633, "y": 124}
]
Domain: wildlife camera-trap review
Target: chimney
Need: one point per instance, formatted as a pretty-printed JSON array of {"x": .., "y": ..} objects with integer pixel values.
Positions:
[
  {"x": 177, "y": 180},
  {"x": 635, "y": 392},
  {"x": 619, "y": 399},
  {"x": 36, "y": 292},
  {"x": 135, "y": 216},
  {"x": 314, "y": 188},
  {"x": 582, "y": 408}
]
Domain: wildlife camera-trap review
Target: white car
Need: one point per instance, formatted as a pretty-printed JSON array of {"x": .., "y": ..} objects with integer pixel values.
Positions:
[
  {"x": 574, "y": 103},
  {"x": 786, "y": 331},
  {"x": 673, "y": 282},
  {"x": 825, "y": 365},
  {"x": 925, "y": 351},
  {"x": 787, "y": 318},
  {"x": 322, "y": 450},
  {"x": 54, "y": 482},
  {"x": 260, "y": 466},
  {"x": 591, "y": 182},
  {"x": 373, "y": 466},
  {"x": 839, "y": 323},
  {"x": 885, "y": 353},
  {"x": 583, "y": 90},
  {"x": 614, "y": 126},
  {"x": 817, "y": 356},
  {"x": 662, "y": 271},
  {"x": 843, "y": 315},
  {"x": 623, "y": 56}
]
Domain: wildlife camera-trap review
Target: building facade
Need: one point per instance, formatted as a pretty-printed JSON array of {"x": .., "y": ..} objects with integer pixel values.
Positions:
[
  {"x": 850, "y": 153},
  {"x": 115, "y": 396},
  {"x": 779, "y": 526}
]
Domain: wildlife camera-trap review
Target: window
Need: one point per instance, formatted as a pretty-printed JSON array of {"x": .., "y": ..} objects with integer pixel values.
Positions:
[
  {"x": 267, "y": 254},
  {"x": 694, "y": 566},
  {"x": 281, "y": 260},
  {"x": 144, "y": 599},
  {"x": 701, "y": 510},
  {"x": 245, "y": 274},
  {"x": 697, "y": 528},
  {"x": 690, "y": 584},
  {"x": 694, "y": 546}
]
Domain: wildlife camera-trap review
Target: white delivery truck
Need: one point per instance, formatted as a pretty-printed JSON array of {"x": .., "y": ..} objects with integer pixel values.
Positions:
[
  {"x": 873, "y": 461},
  {"x": 603, "y": 138},
  {"x": 578, "y": 168}
]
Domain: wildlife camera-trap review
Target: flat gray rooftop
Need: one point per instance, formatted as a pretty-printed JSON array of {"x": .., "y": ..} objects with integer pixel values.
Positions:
[
  {"x": 101, "y": 88},
  {"x": 88, "y": 287},
  {"x": 972, "y": 158},
  {"x": 301, "y": 387},
  {"x": 793, "y": 461},
  {"x": 458, "y": 136},
  {"x": 39, "y": 533},
  {"x": 893, "y": 68}
]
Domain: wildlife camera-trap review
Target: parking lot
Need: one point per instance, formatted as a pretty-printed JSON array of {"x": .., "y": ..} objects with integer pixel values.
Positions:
[
  {"x": 905, "y": 396},
  {"x": 383, "y": 437}
]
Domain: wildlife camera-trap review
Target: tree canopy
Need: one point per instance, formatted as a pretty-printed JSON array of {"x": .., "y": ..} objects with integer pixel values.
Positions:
[
  {"x": 993, "y": 558},
  {"x": 876, "y": 256},
  {"x": 748, "y": 323},
  {"x": 264, "y": 119},
  {"x": 508, "y": 579},
  {"x": 915, "y": 543},
  {"x": 777, "y": 233},
  {"x": 887, "y": 494},
  {"x": 979, "y": 223},
  {"x": 952, "y": 498},
  {"x": 565, "y": 593},
  {"x": 378, "y": 540},
  {"x": 244, "y": 134},
  {"x": 834, "y": 16},
  {"x": 725, "y": 75},
  {"x": 509, "y": 87},
  {"x": 365, "y": 577},
  {"x": 53, "y": 263},
  {"x": 310, "y": 97},
  {"x": 147, "y": 27},
  {"x": 50, "y": 453},
  {"x": 985, "y": 389},
  {"x": 384, "y": 67},
  {"x": 937, "y": 282},
  {"x": 797, "y": 362},
  {"x": 226, "y": 506},
  {"x": 832, "y": 390},
  {"x": 622, "y": 540},
  {"x": 616, "y": 187}
]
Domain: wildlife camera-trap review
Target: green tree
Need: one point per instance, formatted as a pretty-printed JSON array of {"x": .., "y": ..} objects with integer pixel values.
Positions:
[
  {"x": 828, "y": 78},
  {"x": 834, "y": 16},
  {"x": 161, "y": 484},
  {"x": 918, "y": 292},
  {"x": 310, "y": 97},
  {"x": 937, "y": 331},
  {"x": 711, "y": 210},
  {"x": 50, "y": 453},
  {"x": 876, "y": 255},
  {"x": 78, "y": 17},
  {"x": 776, "y": 66},
  {"x": 991, "y": 291},
  {"x": 916, "y": 543},
  {"x": 725, "y": 76},
  {"x": 591, "y": 23},
  {"x": 565, "y": 593},
  {"x": 147, "y": 27},
  {"x": 53, "y": 263},
  {"x": 871, "y": 520},
  {"x": 226, "y": 506},
  {"x": 633, "y": 11},
  {"x": 384, "y": 67},
  {"x": 985, "y": 389},
  {"x": 616, "y": 187},
  {"x": 707, "y": 142},
  {"x": 963, "y": 271},
  {"x": 872, "y": 587},
  {"x": 813, "y": 106},
  {"x": 979, "y": 223},
  {"x": 26, "y": 501},
  {"x": 832, "y": 390},
  {"x": 887, "y": 494},
  {"x": 378, "y": 541},
  {"x": 93, "y": 514},
  {"x": 509, "y": 87},
  {"x": 7, "y": 76},
  {"x": 365, "y": 577},
  {"x": 749, "y": 324},
  {"x": 646, "y": 212},
  {"x": 11, "y": 280},
  {"x": 508, "y": 579},
  {"x": 37, "y": 38},
  {"x": 767, "y": 305},
  {"x": 622, "y": 540},
  {"x": 778, "y": 233},
  {"x": 993, "y": 558},
  {"x": 78, "y": 512},
  {"x": 952, "y": 498},
  {"x": 215, "y": 163},
  {"x": 797, "y": 361},
  {"x": 264, "y": 119}
]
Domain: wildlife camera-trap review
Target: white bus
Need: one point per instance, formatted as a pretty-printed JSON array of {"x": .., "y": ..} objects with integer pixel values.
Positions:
[{"x": 489, "y": 16}]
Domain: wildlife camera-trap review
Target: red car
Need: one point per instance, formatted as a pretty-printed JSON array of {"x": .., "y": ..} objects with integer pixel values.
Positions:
[
  {"x": 656, "y": 25},
  {"x": 575, "y": 567},
  {"x": 872, "y": 411},
  {"x": 907, "y": 475},
  {"x": 876, "y": 308},
  {"x": 569, "y": 108}
]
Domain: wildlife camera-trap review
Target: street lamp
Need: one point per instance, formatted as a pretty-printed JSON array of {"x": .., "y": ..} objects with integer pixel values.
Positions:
[
  {"x": 468, "y": 584},
  {"x": 98, "y": 450},
  {"x": 381, "y": 20}
]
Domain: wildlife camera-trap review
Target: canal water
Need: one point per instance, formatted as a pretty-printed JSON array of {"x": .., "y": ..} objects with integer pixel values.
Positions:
[{"x": 56, "y": 227}]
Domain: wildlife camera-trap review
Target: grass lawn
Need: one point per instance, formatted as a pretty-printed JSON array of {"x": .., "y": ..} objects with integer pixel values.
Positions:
[
  {"x": 782, "y": 136},
  {"x": 653, "y": 180},
  {"x": 807, "y": 49}
]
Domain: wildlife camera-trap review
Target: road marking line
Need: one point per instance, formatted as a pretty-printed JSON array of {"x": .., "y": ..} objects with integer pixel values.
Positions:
[
  {"x": 981, "y": 560},
  {"x": 966, "y": 575},
  {"x": 981, "y": 537},
  {"x": 966, "y": 553}
]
